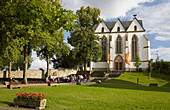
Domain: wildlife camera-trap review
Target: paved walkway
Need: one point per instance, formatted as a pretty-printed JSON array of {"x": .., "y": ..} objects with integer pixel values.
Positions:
[{"x": 38, "y": 84}]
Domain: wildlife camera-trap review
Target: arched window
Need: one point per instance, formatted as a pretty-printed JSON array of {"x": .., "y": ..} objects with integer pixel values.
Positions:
[
  {"x": 135, "y": 28},
  {"x": 134, "y": 47},
  {"x": 119, "y": 45},
  {"x": 104, "y": 48},
  {"x": 102, "y": 29},
  {"x": 118, "y": 29}
]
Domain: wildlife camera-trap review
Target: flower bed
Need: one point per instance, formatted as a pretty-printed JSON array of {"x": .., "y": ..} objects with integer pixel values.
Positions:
[
  {"x": 13, "y": 85},
  {"x": 30, "y": 100},
  {"x": 52, "y": 83}
]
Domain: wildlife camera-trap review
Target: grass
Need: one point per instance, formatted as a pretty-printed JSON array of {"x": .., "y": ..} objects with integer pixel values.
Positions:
[
  {"x": 96, "y": 97},
  {"x": 162, "y": 80}
]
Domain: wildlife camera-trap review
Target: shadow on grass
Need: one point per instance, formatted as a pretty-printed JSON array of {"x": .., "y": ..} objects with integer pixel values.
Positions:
[
  {"x": 119, "y": 81},
  {"x": 166, "y": 85},
  {"x": 6, "y": 102},
  {"x": 131, "y": 87}
]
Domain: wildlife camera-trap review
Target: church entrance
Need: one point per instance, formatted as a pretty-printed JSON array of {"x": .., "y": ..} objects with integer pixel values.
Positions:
[{"x": 118, "y": 63}]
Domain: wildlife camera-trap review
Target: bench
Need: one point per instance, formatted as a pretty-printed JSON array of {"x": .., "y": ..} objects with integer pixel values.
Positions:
[
  {"x": 17, "y": 86},
  {"x": 52, "y": 84},
  {"x": 153, "y": 84}
]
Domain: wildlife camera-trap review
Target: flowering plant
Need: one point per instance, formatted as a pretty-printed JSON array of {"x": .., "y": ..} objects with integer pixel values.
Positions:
[
  {"x": 30, "y": 96},
  {"x": 52, "y": 81},
  {"x": 14, "y": 83}
]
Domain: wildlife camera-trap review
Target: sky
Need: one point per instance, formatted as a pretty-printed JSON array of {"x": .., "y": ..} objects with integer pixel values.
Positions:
[{"x": 155, "y": 15}]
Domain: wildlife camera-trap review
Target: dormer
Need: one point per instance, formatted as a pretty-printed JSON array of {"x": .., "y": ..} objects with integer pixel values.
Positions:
[
  {"x": 118, "y": 27},
  {"x": 135, "y": 26},
  {"x": 102, "y": 28}
]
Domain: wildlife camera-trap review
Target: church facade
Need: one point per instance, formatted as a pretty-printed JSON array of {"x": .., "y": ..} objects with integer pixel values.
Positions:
[{"x": 118, "y": 39}]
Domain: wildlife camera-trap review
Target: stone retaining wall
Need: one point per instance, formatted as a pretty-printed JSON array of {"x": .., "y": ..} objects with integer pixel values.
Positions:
[{"x": 39, "y": 73}]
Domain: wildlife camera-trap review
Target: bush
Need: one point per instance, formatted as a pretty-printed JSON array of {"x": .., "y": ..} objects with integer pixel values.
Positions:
[{"x": 141, "y": 70}]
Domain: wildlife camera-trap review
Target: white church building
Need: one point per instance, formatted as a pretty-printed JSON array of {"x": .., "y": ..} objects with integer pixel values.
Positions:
[{"x": 119, "y": 38}]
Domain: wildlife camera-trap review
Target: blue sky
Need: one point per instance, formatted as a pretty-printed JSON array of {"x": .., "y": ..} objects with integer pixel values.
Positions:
[{"x": 155, "y": 15}]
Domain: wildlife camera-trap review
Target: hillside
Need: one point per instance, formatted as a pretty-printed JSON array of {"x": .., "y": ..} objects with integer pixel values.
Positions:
[{"x": 161, "y": 80}]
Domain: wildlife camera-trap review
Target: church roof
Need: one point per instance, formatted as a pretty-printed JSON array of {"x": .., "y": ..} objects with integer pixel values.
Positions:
[{"x": 125, "y": 24}]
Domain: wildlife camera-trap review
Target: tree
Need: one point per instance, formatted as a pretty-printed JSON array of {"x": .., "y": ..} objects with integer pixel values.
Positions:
[
  {"x": 137, "y": 63},
  {"x": 83, "y": 38},
  {"x": 11, "y": 44},
  {"x": 150, "y": 68},
  {"x": 33, "y": 22},
  {"x": 56, "y": 46},
  {"x": 60, "y": 20}
]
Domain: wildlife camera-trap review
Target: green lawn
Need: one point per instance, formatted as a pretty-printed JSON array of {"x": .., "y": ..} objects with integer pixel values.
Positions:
[
  {"x": 162, "y": 80},
  {"x": 97, "y": 97}
]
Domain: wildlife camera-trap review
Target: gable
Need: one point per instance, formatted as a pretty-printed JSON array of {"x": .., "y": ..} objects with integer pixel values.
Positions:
[
  {"x": 136, "y": 23},
  {"x": 118, "y": 24},
  {"x": 100, "y": 26}
]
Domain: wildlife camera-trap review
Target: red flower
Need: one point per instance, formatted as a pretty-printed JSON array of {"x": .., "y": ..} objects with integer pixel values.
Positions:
[{"x": 17, "y": 94}]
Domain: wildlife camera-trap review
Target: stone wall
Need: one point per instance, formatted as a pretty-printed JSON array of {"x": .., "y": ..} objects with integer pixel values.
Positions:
[{"x": 39, "y": 73}]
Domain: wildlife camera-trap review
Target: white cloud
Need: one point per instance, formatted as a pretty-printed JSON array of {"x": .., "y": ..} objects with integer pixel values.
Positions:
[
  {"x": 163, "y": 53},
  {"x": 37, "y": 63},
  {"x": 160, "y": 38},
  {"x": 156, "y": 19},
  {"x": 109, "y": 8}
]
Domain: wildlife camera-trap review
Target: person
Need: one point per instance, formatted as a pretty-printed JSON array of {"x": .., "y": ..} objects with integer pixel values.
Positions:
[
  {"x": 72, "y": 79},
  {"x": 49, "y": 78},
  {"x": 85, "y": 78},
  {"x": 58, "y": 80},
  {"x": 11, "y": 79}
]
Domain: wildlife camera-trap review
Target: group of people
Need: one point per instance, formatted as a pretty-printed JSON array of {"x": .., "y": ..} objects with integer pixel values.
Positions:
[{"x": 79, "y": 79}]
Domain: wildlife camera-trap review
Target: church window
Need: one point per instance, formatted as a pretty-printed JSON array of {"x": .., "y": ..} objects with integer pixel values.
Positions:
[
  {"x": 134, "y": 47},
  {"x": 118, "y": 29},
  {"x": 104, "y": 48},
  {"x": 110, "y": 37},
  {"x": 119, "y": 45},
  {"x": 135, "y": 28},
  {"x": 126, "y": 38},
  {"x": 102, "y": 29}
]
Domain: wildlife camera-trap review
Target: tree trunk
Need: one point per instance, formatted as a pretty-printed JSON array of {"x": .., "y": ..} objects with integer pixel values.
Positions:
[
  {"x": 9, "y": 69},
  {"x": 85, "y": 65},
  {"x": 25, "y": 64},
  {"x": 47, "y": 68},
  {"x": 149, "y": 75}
]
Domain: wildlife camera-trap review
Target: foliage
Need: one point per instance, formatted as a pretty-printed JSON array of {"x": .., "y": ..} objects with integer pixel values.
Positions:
[
  {"x": 137, "y": 63},
  {"x": 164, "y": 67},
  {"x": 30, "y": 96},
  {"x": 149, "y": 69},
  {"x": 14, "y": 83},
  {"x": 66, "y": 61},
  {"x": 83, "y": 38},
  {"x": 36, "y": 22},
  {"x": 18, "y": 64}
]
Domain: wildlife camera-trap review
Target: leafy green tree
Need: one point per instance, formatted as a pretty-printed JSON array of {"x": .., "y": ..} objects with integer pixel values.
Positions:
[
  {"x": 83, "y": 38},
  {"x": 137, "y": 63},
  {"x": 11, "y": 44},
  {"x": 34, "y": 22},
  {"x": 61, "y": 20},
  {"x": 150, "y": 67},
  {"x": 56, "y": 46}
]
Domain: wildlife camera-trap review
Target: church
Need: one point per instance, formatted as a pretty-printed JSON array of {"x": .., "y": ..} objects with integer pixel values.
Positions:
[{"x": 121, "y": 41}]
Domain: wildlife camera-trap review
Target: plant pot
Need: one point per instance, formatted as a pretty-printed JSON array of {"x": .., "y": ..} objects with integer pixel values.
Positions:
[
  {"x": 38, "y": 104},
  {"x": 52, "y": 84},
  {"x": 16, "y": 86}
]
